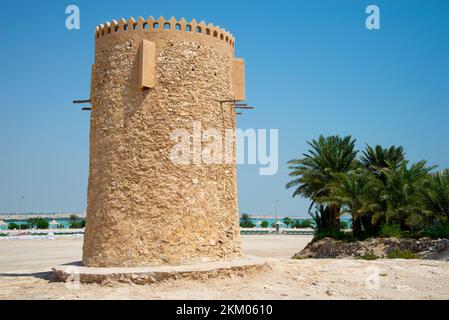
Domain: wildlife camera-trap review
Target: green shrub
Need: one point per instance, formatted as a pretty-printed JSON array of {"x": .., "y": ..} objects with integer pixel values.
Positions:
[
  {"x": 264, "y": 224},
  {"x": 437, "y": 231},
  {"x": 390, "y": 230},
  {"x": 344, "y": 225},
  {"x": 306, "y": 224},
  {"x": 245, "y": 221},
  {"x": 401, "y": 254},
  {"x": 287, "y": 221},
  {"x": 80, "y": 224},
  {"x": 39, "y": 223},
  {"x": 13, "y": 226},
  {"x": 369, "y": 256},
  {"x": 337, "y": 235},
  {"x": 303, "y": 224},
  {"x": 74, "y": 225}
]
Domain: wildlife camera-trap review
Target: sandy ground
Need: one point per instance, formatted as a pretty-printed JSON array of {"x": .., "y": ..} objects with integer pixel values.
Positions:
[{"x": 24, "y": 274}]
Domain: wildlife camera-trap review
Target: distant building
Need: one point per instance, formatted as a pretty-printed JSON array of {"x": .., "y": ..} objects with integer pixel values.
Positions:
[{"x": 55, "y": 225}]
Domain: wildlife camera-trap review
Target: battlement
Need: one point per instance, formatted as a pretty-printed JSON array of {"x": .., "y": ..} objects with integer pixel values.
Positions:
[{"x": 163, "y": 25}]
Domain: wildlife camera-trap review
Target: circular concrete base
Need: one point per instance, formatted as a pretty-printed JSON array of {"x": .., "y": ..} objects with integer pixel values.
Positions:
[{"x": 148, "y": 275}]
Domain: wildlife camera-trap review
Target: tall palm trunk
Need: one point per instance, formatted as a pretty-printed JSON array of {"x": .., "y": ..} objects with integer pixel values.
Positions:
[
  {"x": 357, "y": 228},
  {"x": 334, "y": 218}
]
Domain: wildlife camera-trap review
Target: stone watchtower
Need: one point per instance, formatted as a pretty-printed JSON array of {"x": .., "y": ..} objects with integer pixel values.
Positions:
[{"x": 151, "y": 77}]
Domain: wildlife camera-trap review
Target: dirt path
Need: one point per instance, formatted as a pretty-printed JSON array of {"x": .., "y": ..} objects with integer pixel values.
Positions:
[
  {"x": 40, "y": 256},
  {"x": 288, "y": 279}
]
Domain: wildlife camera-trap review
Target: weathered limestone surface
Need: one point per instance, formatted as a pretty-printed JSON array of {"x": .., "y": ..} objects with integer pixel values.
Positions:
[
  {"x": 150, "y": 275},
  {"x": 143, "y": 210}
]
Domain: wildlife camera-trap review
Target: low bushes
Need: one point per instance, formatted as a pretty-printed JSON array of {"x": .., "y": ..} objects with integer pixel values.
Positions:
[
  {"x": 245, "y": 221},
  {"x": 264, "y": 224},
  {"x": 39, "y": 223},
  {"x": 337, "y": 235},
  {"x": 388, "y": 231},
  {"x": 401, "y": 254},
  {"x": 437, "y": 231},
  {"x": 15, "y": 226},
  {"x": 304, "y": 224},
  {"x": 80, "y": 224}
]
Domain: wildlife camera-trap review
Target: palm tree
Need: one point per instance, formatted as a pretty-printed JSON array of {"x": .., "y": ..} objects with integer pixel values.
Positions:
[
  {"x": 436, "y": 197},
  {"x": 353, "y": 192},
  {"x": 73, "y": 218},
  {"x": 312, "y": 174},
  {"x": 320, "y": 216},
  {"x": 376, "y": 160},
  {"x": 246, "y": 221},
  {"x": 288, "y": 221},
  {"x": 403, "y": 191}
]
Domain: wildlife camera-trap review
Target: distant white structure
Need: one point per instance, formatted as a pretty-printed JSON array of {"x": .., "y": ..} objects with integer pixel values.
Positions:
[{"x": 54, "y": 224}]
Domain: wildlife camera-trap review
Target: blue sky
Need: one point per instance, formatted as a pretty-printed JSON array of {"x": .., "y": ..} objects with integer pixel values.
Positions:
[{"x": 312, "y": 68}]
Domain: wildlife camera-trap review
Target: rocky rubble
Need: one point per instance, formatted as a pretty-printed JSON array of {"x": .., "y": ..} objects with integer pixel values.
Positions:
[{"x": 424, "y": 248}]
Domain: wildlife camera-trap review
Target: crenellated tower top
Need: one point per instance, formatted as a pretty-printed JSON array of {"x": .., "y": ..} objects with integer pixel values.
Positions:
[{"x": 163, "y": 25}]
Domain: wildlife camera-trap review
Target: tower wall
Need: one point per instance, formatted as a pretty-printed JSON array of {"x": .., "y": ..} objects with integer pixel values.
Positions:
[{"x": 143, "y": 209}]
